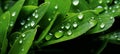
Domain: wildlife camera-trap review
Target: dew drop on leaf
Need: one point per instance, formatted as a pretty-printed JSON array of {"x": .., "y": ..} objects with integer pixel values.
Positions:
[
  {"x": 32, "y": 23},
  {"x": 69, "y": 32},
  {"x": 22, "y": 22},
  {"x": 11, "y": 24},
  {"x": 22, "y": 49},
  {"x": 75, "y": 2},
  {"x": 36, "y": 16},
  {"x": 102, "y": 25},
  {"x": 14, "y": 13},
  {"x": 111, "y": 17},
  {"x": 23, "y": 35},
  {"x": 67, "y": 26},
  {"x": 20, "y": 41},
  {"x": 56, "y": 7},
  {"x": 100, "y": 1},
  {"x": 80, "y": 16},
  {"x": 75, "y": 24},
  {"x": 58, "y": 34}
]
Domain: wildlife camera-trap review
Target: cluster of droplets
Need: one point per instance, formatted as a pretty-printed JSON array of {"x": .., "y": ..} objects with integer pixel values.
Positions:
[
  {"x": 35, "y": 14},
  {"x": 23, "y": 38}
]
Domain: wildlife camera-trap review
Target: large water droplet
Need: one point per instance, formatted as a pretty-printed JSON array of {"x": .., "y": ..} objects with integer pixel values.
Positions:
[
  {"x": 75, "y": 2},
  {"x": 69, "y": 32},
  {"x": 113, "y": 11},
  {"x": 58, "y": 34},
  {"x": 14, "y": 13},
  {"x": 33, "y": 14},
  {"x": 115, "y": 2},
  {"x": 75, "y": 24},
  {"x": 49, "y": 36},
  {"x": 102, "y": 25},
  {"x": 67, "y": 26},
  {"x": 56, "y": 6},
  {"x": 32, "y": 23},
  {"x": 80, "y": 16},
  {"x": 99, "y": 7}
]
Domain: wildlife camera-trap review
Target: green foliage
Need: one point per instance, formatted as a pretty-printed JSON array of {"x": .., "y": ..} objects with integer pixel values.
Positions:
[{"x": 27, "y": 26}]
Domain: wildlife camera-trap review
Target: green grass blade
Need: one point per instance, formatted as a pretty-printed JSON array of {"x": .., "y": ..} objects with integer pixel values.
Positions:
[
  {"x": 4, "y": 24},
  {"x": 15, "y": 10},
  {"x": 44, "y": 33},
  {"x": 23, "y": 43},
  {"x": 31, "y": 2},
  {"x": 37, "y": 15},
  {"x": 68, "y": 28}
]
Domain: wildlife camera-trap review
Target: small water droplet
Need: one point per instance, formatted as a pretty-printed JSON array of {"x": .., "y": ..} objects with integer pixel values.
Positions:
[
  {"x": 50, "y": 34},
  {"x": 67, "y": 26},
  {"x": 36, "y": 11},
  {"x": 22, "y": 49},
  {"x": 56, "y": 6},
  {"x": 113, "y": 11},
  {"x": 23, "y": 22},
  {"x": 49, "y": 19},
  {"x": 33, "y": 14},
  {"x": 26, "y": 26},
  {"x": 69, "y": 32},
  {"x": 110, "y": 8},
  {"x": 32, "y": 23},
  {"x": 111, "y": 17},
  {"x": 75, "y": 2},
  {"x": 108, "y": 1},
  {"x": 102, "y": 25},
  {"x": 28, "y": 18},
  {"x": 100, "y": 1},
  {"x": 106, "y": 8},
  {"x": 20, "y": 41},
  {"x": 92, "y": 23},
  {"x": 11, "y": 24},
  {"x": 14, "y": 13},
  {"x": 117, "y": 6},
  {"x": 36, "y": 16},
  {"x": 80, "y": 16},
  {"x": 75, "y": 24},
  {"x": 62, "y": 27},
  {"x": 58, "y": 34},
  {"x": 23, "y": 35}
]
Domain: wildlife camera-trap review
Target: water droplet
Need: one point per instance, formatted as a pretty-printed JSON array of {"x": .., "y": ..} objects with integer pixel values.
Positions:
[
  {"x": 36, "y": 11},
  {"x": 14, "y": 13},
  {"x": 106, "y": 8},
  {"x": 22, "y": 49},
  {"x": 20, "y": 41},
  {"x": 56, "y": 6},
  {"x": 23, "y": 22},
  {"x": 26, "y": 26},
  {"x": 28, "y": 18},
  {"x": 75, "y": 2},
  {"x": 102, "y": 25},
  {"x": 75, "y": 24},
  {"x": 108, "y": 1},
  {"x": 69, "y": 32},
  {"x": 100, "y": 1},
  {"x": 115, "y": 2},
  {"x": 92, "y": 23},
  {"x": 99, "y": 7},
  {"x": 117, "y": 6},
  {"x": 49, "y": 19},
  {"x": 50, "y": 34},
  {"x": 111, "y": 17},
  {"x": 106, "y": 11},
  {"x": 67, "y": 26},
  {"x": 110, "y": 8},
  {"x": 58, "y": 34},
  {"x": 11, "y": 24},
  {"x": 23, "y": 35},
  {"x": 92, "y": 18},
  {"x": 36, "y": 16},
  {"x": 33, "y": 14},
  {"x": 113, "y": 11},
  {"x": 80, "y": 16},
  {"x": 32, "y": 23},
  {"x": 62, "y": 27}
]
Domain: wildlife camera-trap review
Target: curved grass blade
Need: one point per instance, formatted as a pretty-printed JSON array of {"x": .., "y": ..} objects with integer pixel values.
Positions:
[
  {"x": 113, "y": 37},
  {"x": 44, "y": 33},
  {"x": 4, "y": 24},
  {"x": 23, "y": 43},
  {"x": 14, "y": 13},
  {"x": 33, "y": 20},
  {"x": 106, "y": 19},
  {"x": 68, "y": 28}
]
